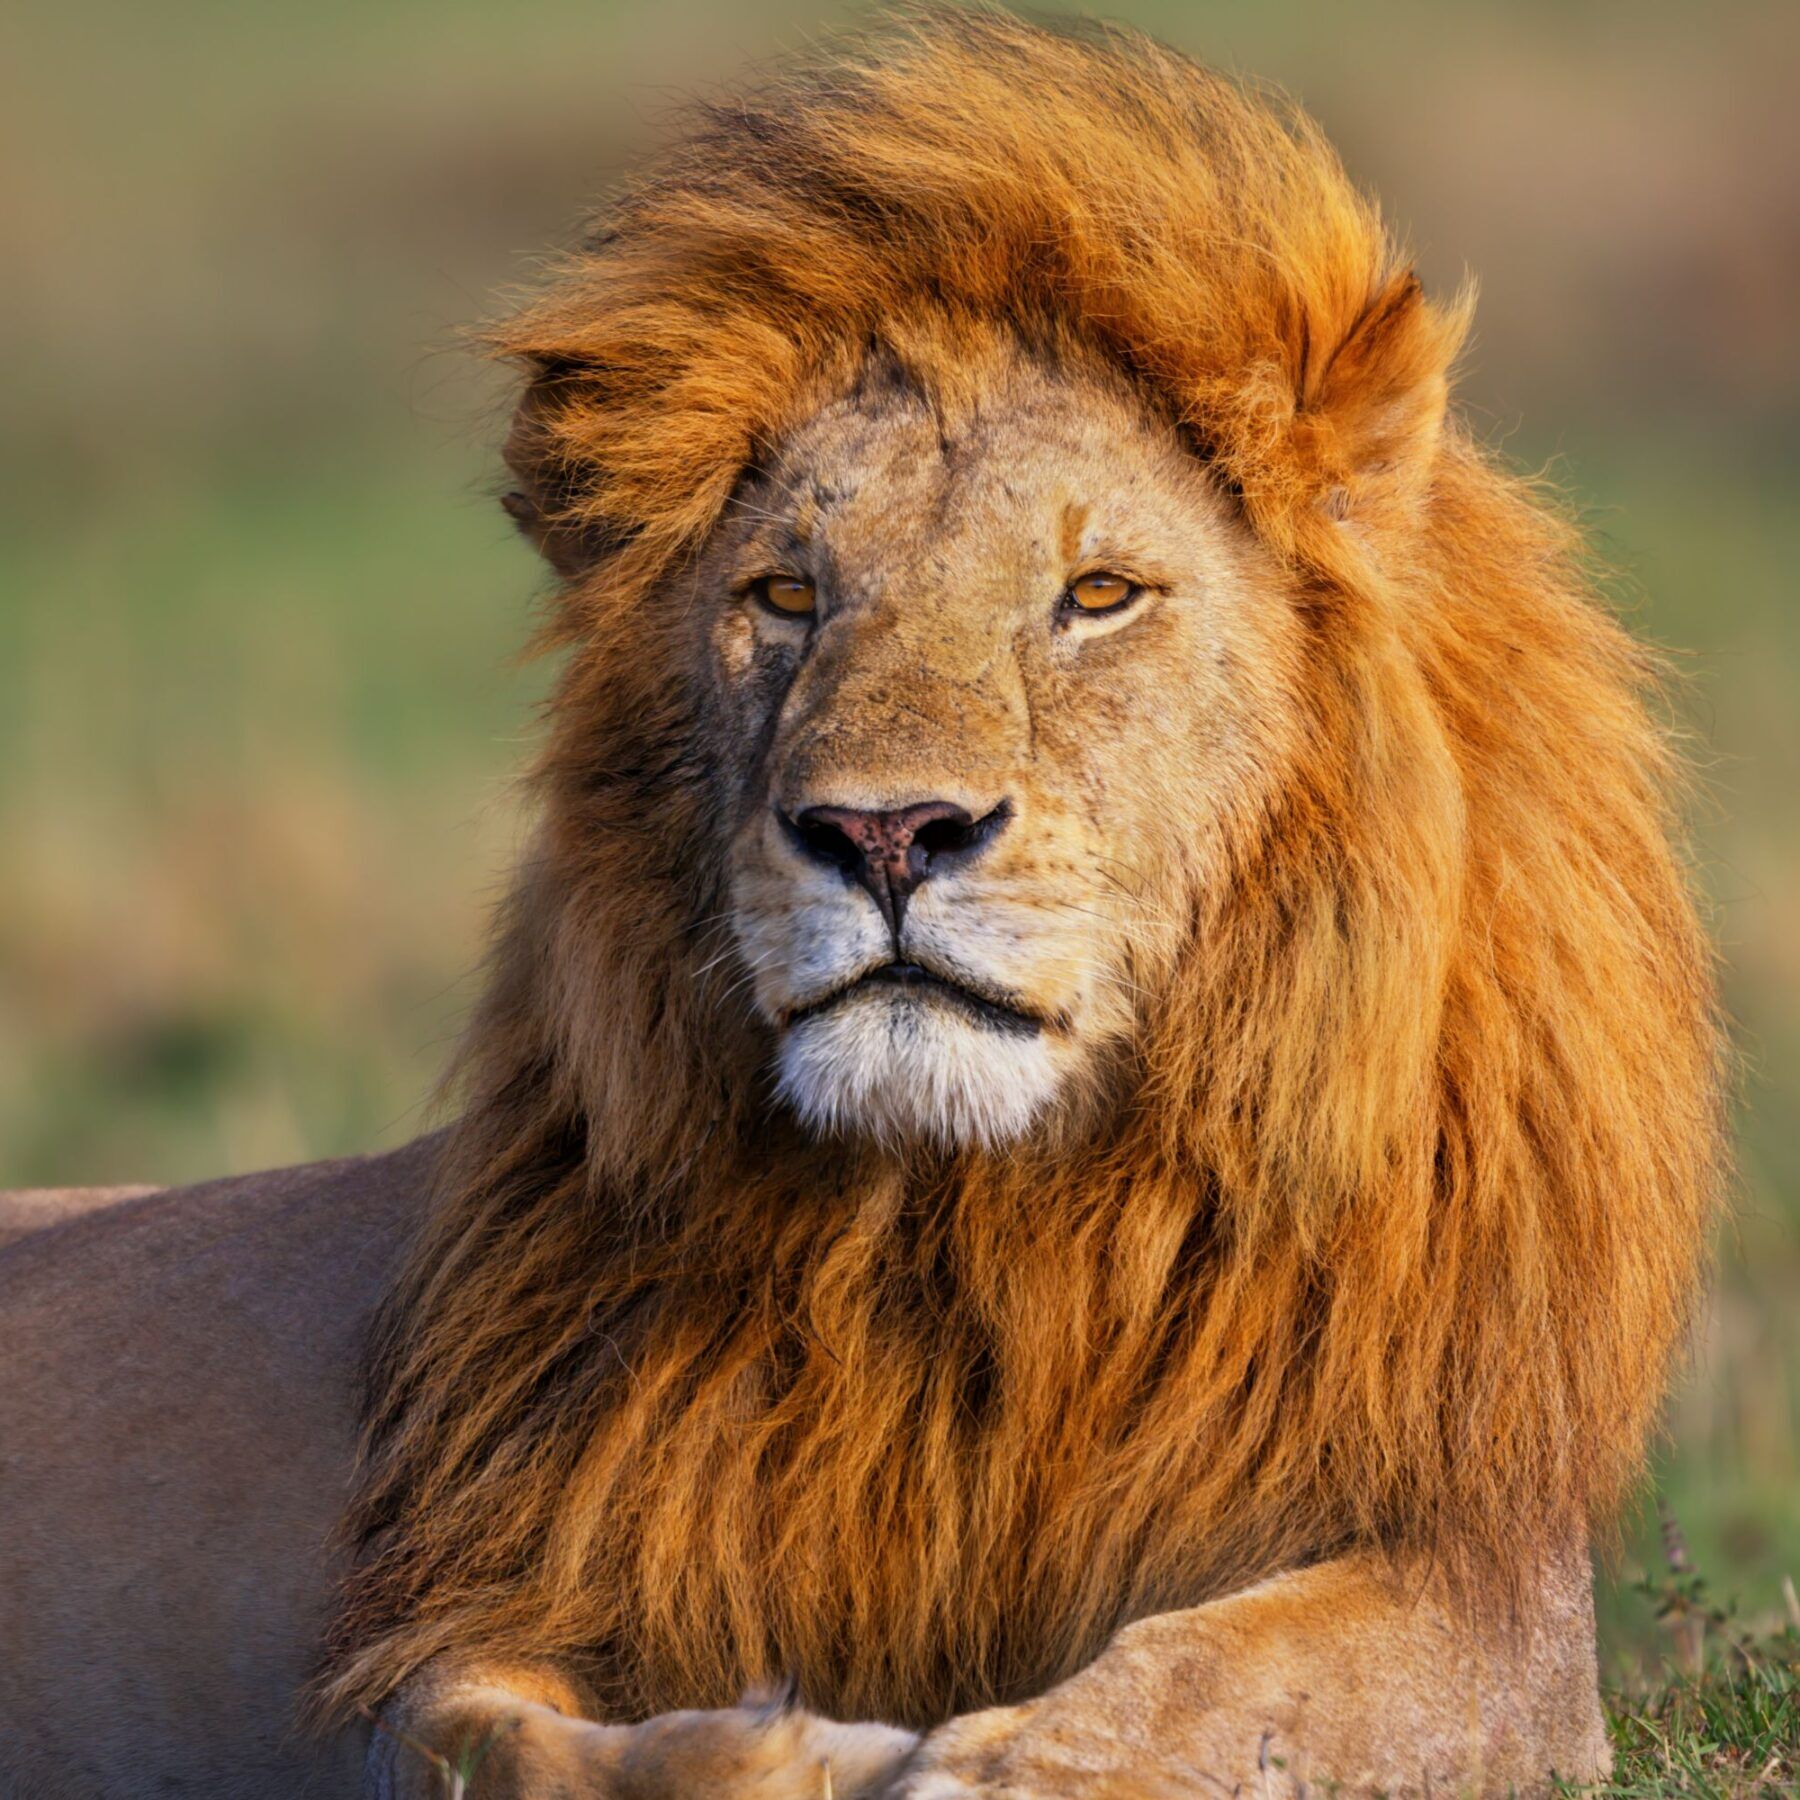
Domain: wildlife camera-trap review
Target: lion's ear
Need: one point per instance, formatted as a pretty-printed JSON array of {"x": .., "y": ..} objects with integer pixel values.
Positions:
[
  {"x": 1373, "y": 410},
  {"x": 545, "y": 503},
  {"x": 569, "y": 550}
]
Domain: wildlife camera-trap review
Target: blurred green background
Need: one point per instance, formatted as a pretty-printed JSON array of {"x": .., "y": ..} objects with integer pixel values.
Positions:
[{"x": 258, "y": 713}]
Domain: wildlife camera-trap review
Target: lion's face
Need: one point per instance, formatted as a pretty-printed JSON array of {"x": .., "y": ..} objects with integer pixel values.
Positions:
[{"x": 1000, "y": 680}]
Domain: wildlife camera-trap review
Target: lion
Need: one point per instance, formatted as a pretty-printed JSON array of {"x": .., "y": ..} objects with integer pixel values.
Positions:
[{"x": 1098, "y": 1106}]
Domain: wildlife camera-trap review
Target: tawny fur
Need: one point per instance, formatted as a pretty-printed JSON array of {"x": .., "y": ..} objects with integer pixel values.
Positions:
[{"x": 1402, "y": 1216}]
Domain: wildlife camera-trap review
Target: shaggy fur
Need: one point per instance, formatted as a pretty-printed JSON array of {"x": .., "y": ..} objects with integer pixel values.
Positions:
[{"x": 1393, "y": 1234}]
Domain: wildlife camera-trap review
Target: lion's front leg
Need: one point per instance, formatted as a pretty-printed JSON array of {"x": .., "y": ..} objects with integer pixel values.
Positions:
[
  {"x": 1340, "y": 1675},
  {"x": 518, "y": 1733}
]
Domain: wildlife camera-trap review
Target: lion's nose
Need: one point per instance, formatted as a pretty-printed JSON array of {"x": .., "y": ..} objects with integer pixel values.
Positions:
[{"x": 892, "y": 853}]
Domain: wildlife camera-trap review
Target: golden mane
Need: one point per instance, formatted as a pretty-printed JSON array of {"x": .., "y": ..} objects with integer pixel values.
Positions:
[{"x": 1396, "y": 1233}]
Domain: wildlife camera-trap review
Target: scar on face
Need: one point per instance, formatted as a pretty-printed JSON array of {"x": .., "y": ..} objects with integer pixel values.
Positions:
[{"x": 1074, "y": 522}]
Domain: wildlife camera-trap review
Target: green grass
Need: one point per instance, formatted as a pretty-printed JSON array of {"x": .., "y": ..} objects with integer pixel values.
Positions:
[
  {"x": 1731, "y": 1729},
  {"x": 1719, "y": 1719}
]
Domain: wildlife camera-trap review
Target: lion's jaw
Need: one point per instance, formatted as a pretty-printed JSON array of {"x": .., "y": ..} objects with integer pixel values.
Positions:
[
  {"x": 961, "y": 1028},
  {"x": 1105, "y": 759}
]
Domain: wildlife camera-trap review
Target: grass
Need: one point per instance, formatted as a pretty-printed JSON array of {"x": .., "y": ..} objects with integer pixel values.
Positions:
[
  {"x": 1730, "y": 1729},
  {"x": 1720, "y": 1718}
]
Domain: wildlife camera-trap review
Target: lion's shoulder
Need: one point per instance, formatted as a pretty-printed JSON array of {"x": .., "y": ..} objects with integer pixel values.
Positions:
[
  {"x": 112, "y": 1300},
  {"x": 342, "y": 1215},
  {"x": 254, "y": 1290},
  {"x": 179, "y": 1423}
]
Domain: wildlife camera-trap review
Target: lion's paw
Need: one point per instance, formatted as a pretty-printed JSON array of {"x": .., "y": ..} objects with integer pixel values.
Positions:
[
  {"x": 1027, "y": 1753},
  {"x": 759, "y": 1752},
  {"x": 518, "y": 1750}
]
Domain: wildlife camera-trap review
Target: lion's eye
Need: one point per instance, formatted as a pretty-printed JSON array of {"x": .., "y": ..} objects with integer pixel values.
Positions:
[
  {"x": 1100, "y": 593},
  {"x": 789, "y": 595}
]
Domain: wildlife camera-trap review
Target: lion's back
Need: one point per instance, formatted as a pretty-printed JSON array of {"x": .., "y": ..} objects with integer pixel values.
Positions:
[
  {"x": 24, "y": 1211},
  {"x": 176, "y": 1429}
]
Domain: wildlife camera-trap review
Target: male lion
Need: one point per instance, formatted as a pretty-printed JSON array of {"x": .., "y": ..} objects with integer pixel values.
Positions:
[{"x": 1097, "y": 1111}]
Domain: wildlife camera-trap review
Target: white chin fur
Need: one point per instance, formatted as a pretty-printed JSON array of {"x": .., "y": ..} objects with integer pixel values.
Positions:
[{"x": 901, "y": 1069}]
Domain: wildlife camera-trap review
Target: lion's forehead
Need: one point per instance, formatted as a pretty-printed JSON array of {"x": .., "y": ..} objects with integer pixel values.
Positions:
[{"x": 998, "y": 482}]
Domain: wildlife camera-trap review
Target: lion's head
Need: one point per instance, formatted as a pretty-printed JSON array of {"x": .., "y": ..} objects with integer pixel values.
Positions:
[
  {"x": 1103, "y": 1002},
  {"x": 996, "y": 676}
]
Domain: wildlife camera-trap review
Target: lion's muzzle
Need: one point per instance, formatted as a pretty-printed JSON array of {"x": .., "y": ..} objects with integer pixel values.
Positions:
[{"x": 890, "y": 854}]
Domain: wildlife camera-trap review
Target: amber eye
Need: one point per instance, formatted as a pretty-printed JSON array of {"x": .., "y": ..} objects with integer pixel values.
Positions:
[
  {"x": 789, "y": 595},
  {"x": 1100, "y": 592}
]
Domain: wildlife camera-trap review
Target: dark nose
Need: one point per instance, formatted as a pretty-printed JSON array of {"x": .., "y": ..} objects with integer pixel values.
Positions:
[{"x": 892, "y": 853}]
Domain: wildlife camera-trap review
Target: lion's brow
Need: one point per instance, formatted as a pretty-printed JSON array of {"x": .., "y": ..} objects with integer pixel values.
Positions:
[{"x": 1074, "y": 522}]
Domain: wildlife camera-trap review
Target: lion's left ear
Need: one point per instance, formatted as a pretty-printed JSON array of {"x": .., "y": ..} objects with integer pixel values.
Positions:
[{"x": 1371, "y": 412}]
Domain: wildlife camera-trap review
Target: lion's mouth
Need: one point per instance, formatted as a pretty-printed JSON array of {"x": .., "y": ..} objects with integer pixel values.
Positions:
[{"x": 999, "y": 1012}]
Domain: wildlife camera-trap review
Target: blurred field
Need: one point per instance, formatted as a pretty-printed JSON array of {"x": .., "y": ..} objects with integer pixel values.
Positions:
[{"x": 256, "y": 605}]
